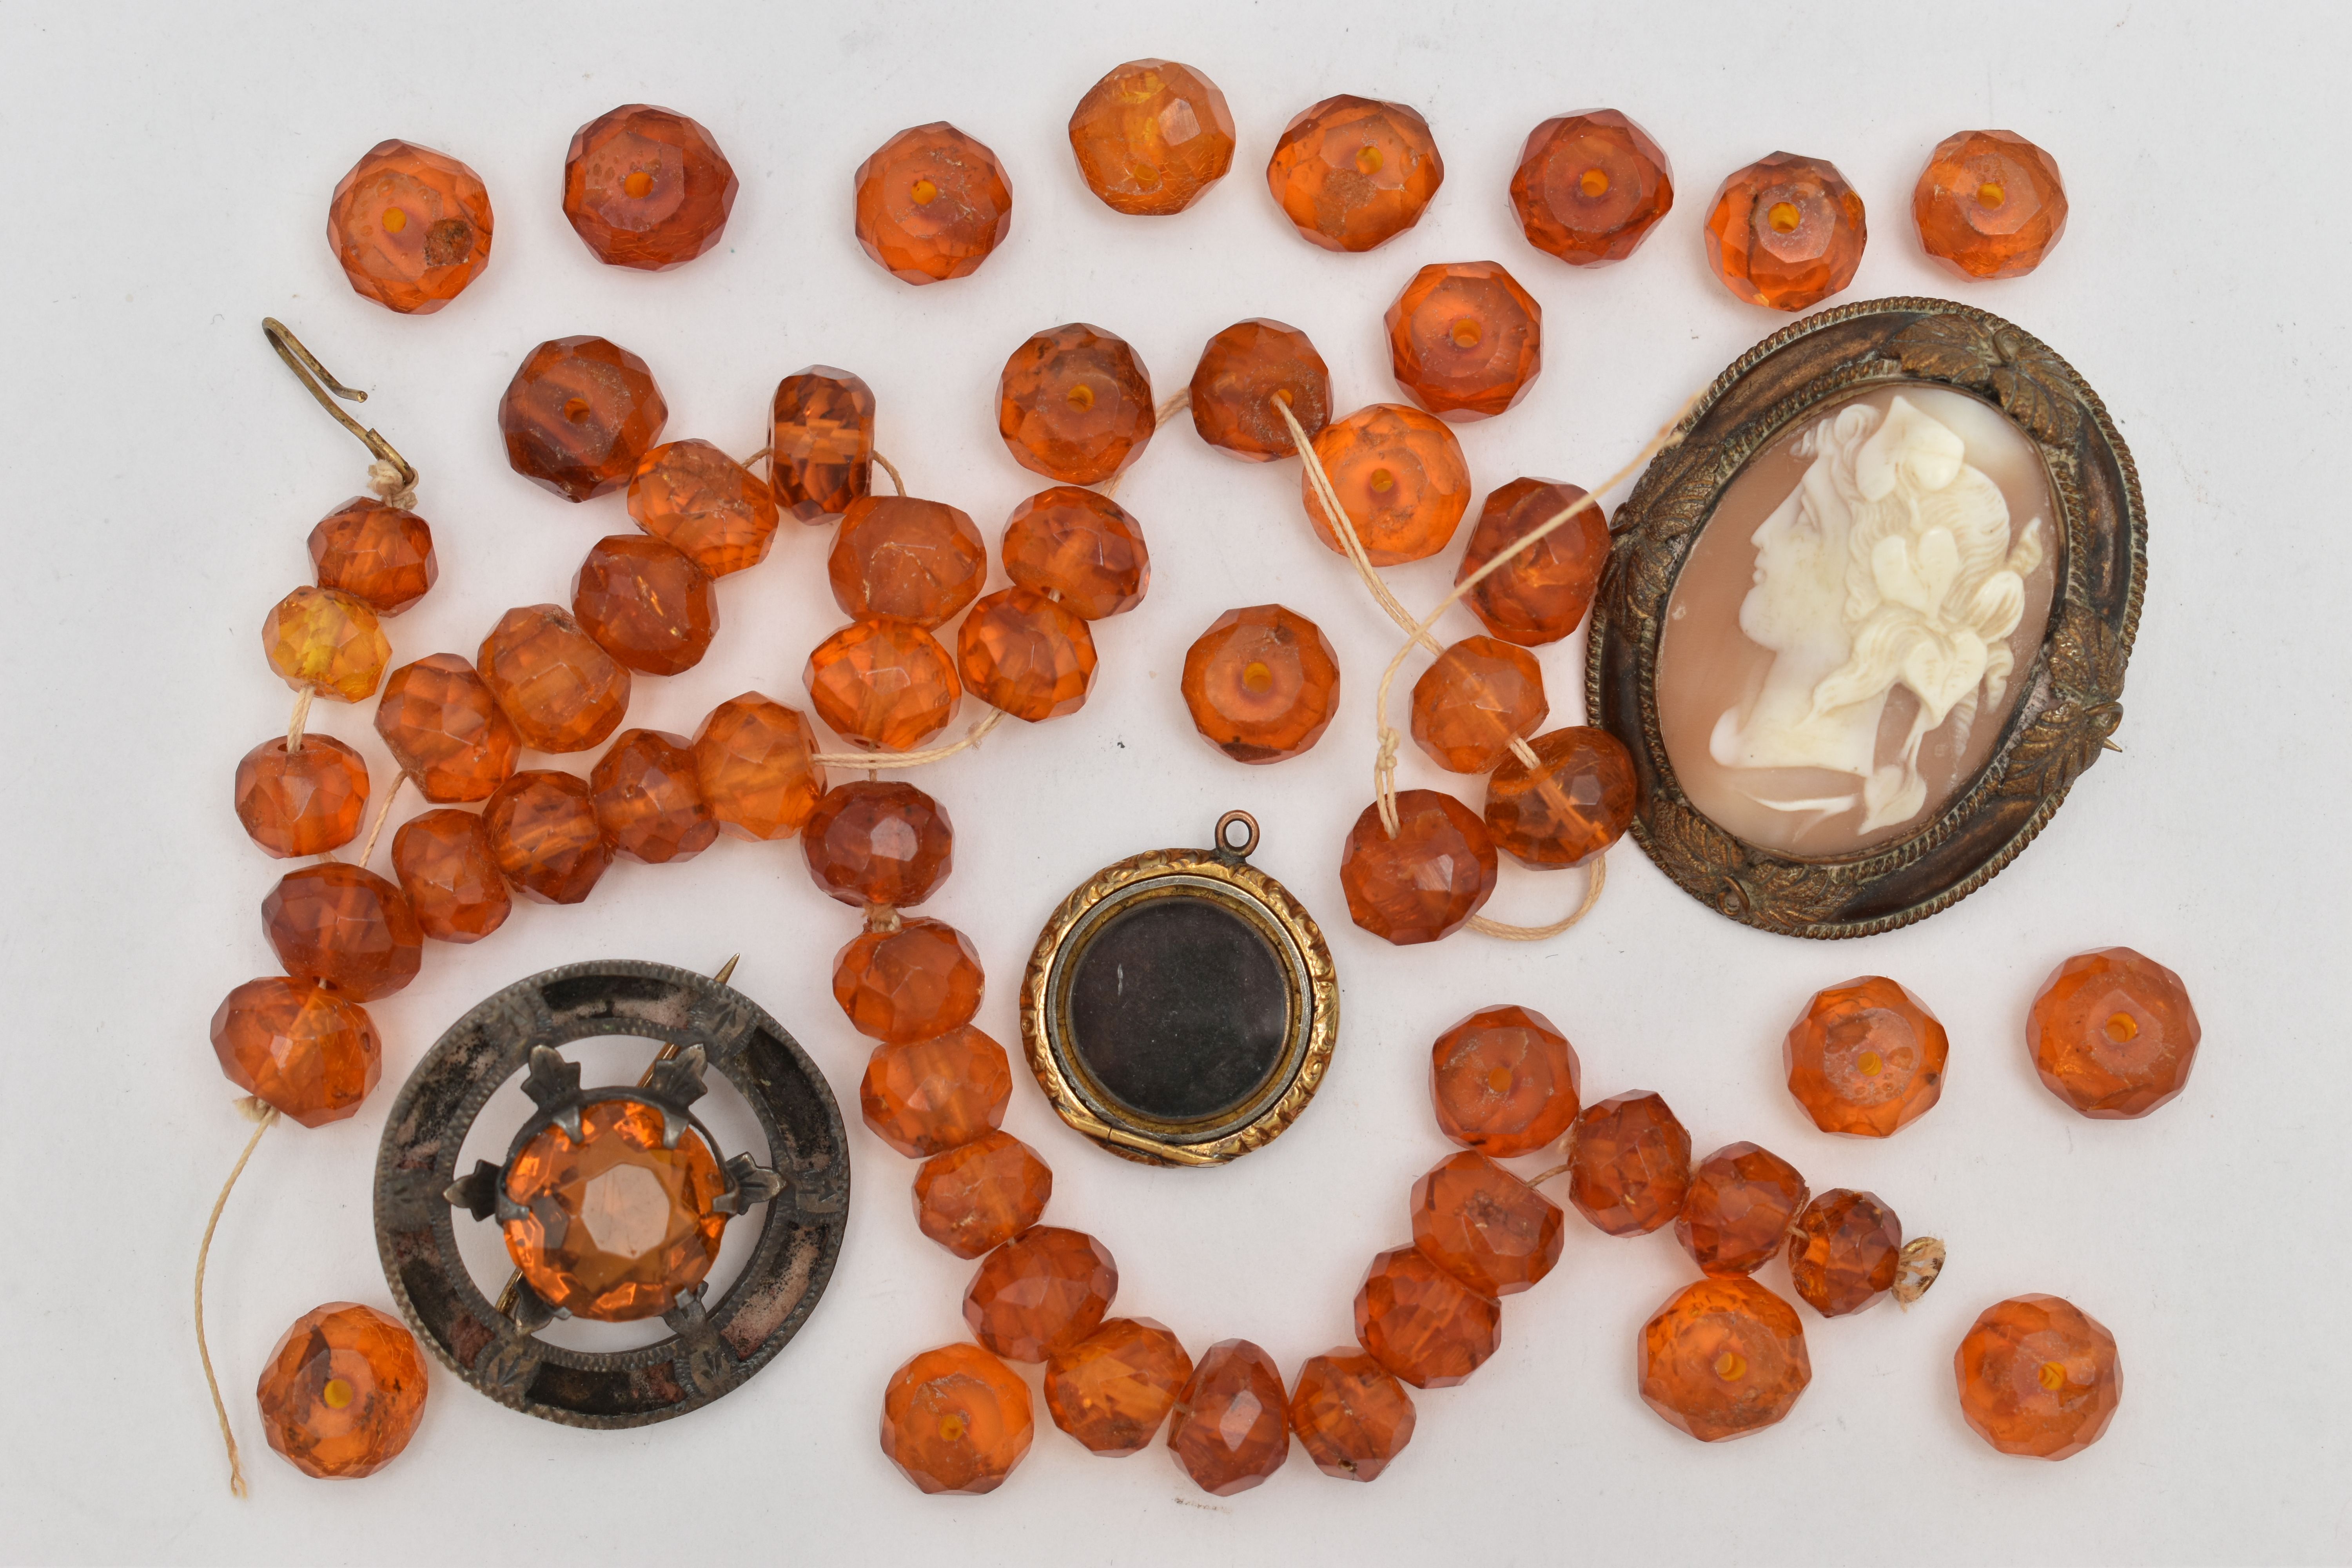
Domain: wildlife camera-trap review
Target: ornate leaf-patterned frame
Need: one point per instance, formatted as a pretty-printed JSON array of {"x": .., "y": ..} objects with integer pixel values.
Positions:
[{"x": 2072, "y": 694}]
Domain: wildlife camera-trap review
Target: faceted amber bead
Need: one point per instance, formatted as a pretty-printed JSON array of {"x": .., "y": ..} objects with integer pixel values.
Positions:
[
  {"x": 561, "y": 689},
  {"x": 1152, "y": 137},
  {"x": 1989, "y": 204},
  {"x": 580, "y": 416},
  {"x": 1401, "y": 475},
  {"x": 1080, "y": 545},
  {"x": 878, "y": 841},
  {"x": 1629, "y": 1164},
  {"x": 976, "y": 1198},
  {"x": 326, "y": 641},
  {"x": 1844, "y": 1253},
  {"x": 1040, "y": 1293},
  {"x": 1354, "y": 173},
  {"x": 931, "y": 204},
  {"x": 1242, "y": 370},
  {"x": 1027, "y": 655},
  {"x": 379, "y": 555},
  {"x": 756, "y": 761},
  {"x": 1352, "y": 1416},
  {"x": 694, "y": 496},
  {"x": 647, "y": 604},
  {"x": 1262, "y": 683},
  {"x": 1075, "y": 404},
  {"x": 646, "y": 187},
  {"x": 1723, "y": 1358},
  {"x": 1576, "y": 802},
  {"x": 649, "y": 800},
  {"x": 919, "y": 561},
  {"x": 888, "y": 684},
  {"x": 1786, "y": 232},
  {"x": 301, "y": 803},
  {"x": 619, "y": 1224},
  {"x": 543, "y": 830},
  {"x": 1474, "y": 699},
  {"x": 343, "y": 1392},
  {"x": 294, "y": 1044},
  {"x": 920, "y": 980},
  {"x": 1465, "y": 340},
  {"x": 821, "y": 455},
  {"x": 1485, "y": 1226},
  {"x": 411, "y": 227},
  {"x": 2039, "y": 1377},
  {"x": 1590, "y": 187},
  {"x": 1231, "y": 1429},
  {"x": 956, "y": 1419},
  {"x": 453, "y": 882},
  {"x": 1742, "y": 1201},
  {"x": 1421, "y": 1323},
  {"x": 1424, "y": 883},
  {"x": 2112, "y": 1034},
  {"x": 928, "y": 1096},
  {"x": 1541, "y": 594},
  {"x": 1504, "y": 1082},
  {"x": 1866, "y": 1058},
  {"x": 1112, "y": 1389},
  {"x": 344, "y": 925}
]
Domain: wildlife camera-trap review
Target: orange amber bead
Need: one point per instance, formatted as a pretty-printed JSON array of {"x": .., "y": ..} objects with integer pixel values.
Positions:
[
  {"x": 1474, "y": 699},
  {"x": 1262, "y": 683},
  {"x": 1421, "y": 1323},
  {"x": 580, "y": 416},
  {"x": 1629, "y": 1164},
  {"x": 1436, "y": 873},
  {"x": 1075, "y": 404},
  {"x": 1504, "y": 1082},
  {"x": 453, "y": 882},
  {"x": 694, "y": 496},
  {"x": 1354, "y": 173},
  {"x": 931, "y": 204},
  {"x": 878, "y": 841},
  {"x": 1844, "y": 1252},
  {"x": 379, "y": 555},
  {"x": 1541, "y": 594},
  {"x": 1723, "y": 1358},
  {"x": 445, "y": 730},
  {"x": 542, "y": 828},
  {"x": 619, "y": 1224},
  {"x": 976, "y": 1198},
  {"x": 326, "y": 641},
  {"x": 1152, "y": 137},
  {"x": 649, "y": 800},
  {"x": 1485, "y": 1226},
  {"x": 1576, "y": 802},
  {"x": 1989, "y": 204},
  {"x": 1590, "y": 187},
  {"x": 928, "y": 1096},
  {"x": 1112, "y": 1389},
  {"x": 920, "y": 980},
  {"x": 411, "y": 227},
  {"x": 1027, "y": 655},
  {"x": 646, "y": 187},
  {"x": 919, "y": 561},
  {"x": 956, "y": 1419},
  {"x": 756, "y": 761},
  {"x": 301, "y": 803},
  {"x": 1352, "y": 1415},
  {"x": 2112, "y": 1034},
  {"x": 294, "y": 1044},
  {"x": 1786, "y": 232},
  {"x": 1866, "y": 1058},
  {"x": 886, "y": 684},
  {"x": 1243, "y": 370},
  {"x": 2039, "y": 1377},
  {"x": 1080, "y": 545},
  {"x": 822, "y": 455},
  {"x": 343, "y": 1392},
  {"x": 1230, "y": 1429},
  {"x": 344, "y": 925},
  {"x": 1040, "y": 1293},
  {"x": 1399, "y": 475},
  {"x": 1465, "y": 342},
  {"x": 1742, "y": 1201},
  {"x": 647, "y": 604},
  {"x": 562, "y": 690}
]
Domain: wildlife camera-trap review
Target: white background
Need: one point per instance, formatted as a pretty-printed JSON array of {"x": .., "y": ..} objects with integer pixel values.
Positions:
[{"x": 165, "y": 174}]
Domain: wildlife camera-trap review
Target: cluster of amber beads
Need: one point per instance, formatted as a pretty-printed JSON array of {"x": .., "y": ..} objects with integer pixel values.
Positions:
[
  {"x": 2038, "y": 1377},
  {"x": 1475, "y": 699},
  {"x": 1989, "y": 204},
  {"x": 1354, "y": 173},
  {"x": 1399, "y": 475},
  {"x": 1152, "y": 137},
  {"x": 2112, "y": 1034},
  {"x": 1465, "y": 342},
  {"x": 1073, "y": 404},
  {"x": 1785, "y": 231},
  {"x": 580, "y": 416},
  {"x": 619, "y": 1222},
  {"x": 410, "y": 226},
  {"x": 1866, "y": 1058},
  {"x": 343, "y": 1392},
  {"x": 646, "y": 189},
  {"x": 931, "y": 204},
  {"x": 1426, "y": 880},
  {"x": 1262, "y": 683},
  {"x": 1590, "y": 187},
  {"x": 1243, "y": 371},
  {"x": 692, "y": 495},
  {"x": 821, "y": 454}
]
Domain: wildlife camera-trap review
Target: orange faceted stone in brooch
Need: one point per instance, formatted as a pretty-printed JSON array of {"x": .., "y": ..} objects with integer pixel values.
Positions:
[
  {"x": 1590, "y": 187},
  {"x": 1262, "y": 683},
  {"x": 1152, "y": 137},
  {"x": 1868, "y": 1057},
  {"x": 646, "y": 187},
  {"x": 1465, "y": 342},
  {"x": 1723, "y": 1358},
  {"x": 580, "y": 416},
  {"x": 1354, "y": 173},
  {"x": 618, "y": 1224},
  {"x": 1786, "y": 232},
  {"x": 931, "y": 204},
  {"x": 956, "y": 1419},
  {"x": 343, "y": 1392},
  {"x": 411, "y": 227},
  {"x": 2112, "y": 1034},
  {"x": 1989, "y": 204},
  {"x": 1073, "y": 404}
]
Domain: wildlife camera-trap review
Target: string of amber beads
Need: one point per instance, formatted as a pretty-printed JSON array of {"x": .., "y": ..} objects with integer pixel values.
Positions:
[
  {"x": 1243, "y": 371},
  {"x": 1112, "y": 1389},
  {"x": 648, "y": 798},
  {"x": 580, "y": 416},
  {"x": 1351, "y": 1414},
  {"x": 343, "y": 1392},
  {"x": 1352, "y": 173},
  {"x": 931, "y": 204},
  {"x": 1231, "y": 1427},
  {"x": 344, "y": 926},
  {"x": 619, "y": 1223},
  {"x": 326, "y": 641},
  {"x": 1261, "y": 683},
  {"x": 647, "y": 603},
  {"x": 1152, "y": 137},
  {"x": 1723, "y": 1358},
  {"x": 919, "y": 561},
  {"x": 1785, "y": 232},
  {"x": 1425, "y": 881},
  {"x": 1073, "y": 404},
  {"x": 561, "y": 689},
  {"x": 542, "y": 828},
  {"x": 1465, "y": 342},
  {"x": 2038, "y": 1377},
  {"x": 956, "y": 1419},
  {"x": 1541, "y": 594},
  {"x": 1989, "y": 204},
  {"x": 455, "y": 887},
  {"x": 1474, "y": 700},
  {"x": 821, "y": 454},
  {"x": 1401, "y": 477},
  {"x": 445, "y": 727},
  {"x": 646, "y": 187},
  {"x": 1577, "y": 801},
  {"x": 1865, "y": 1059},
  {"x": 381, "y": 555},
  {"x": 756, "y": 761},
  {"x": 1080, "y": 546},
  {"x": 694, "y": 496},
  {"x": 296, "y": 1045},
  {"x": 297, "y": 803},
  {"x": 1504, "y": 1081},
  {"x": 1590, "y": 187},
  {"x": 2112, "y": 1033},
  {"x": 887, "y": 683},
  {"x": 1027, "y": 655},
  {"x": 410, "y": 226}
]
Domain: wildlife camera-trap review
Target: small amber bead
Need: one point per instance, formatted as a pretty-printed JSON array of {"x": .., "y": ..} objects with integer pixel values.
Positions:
[
  {"x": 1866, "y": 1058},
  {"x": 1844, "y": 1252},
  {"x": 1262, "y": 683},
  {"x": 2038, "y": 1377},
  {"x": 344, "y": 925},
  {"x": 1027, "y": 655},
  {"x": 563, "y": 692},
  {"x": 1081, "y": 546},
  {"x": 886, "y": 684},
  {"x": 1485, "y": 1226},
  {"x": 919, "y": 561},
  {"x": 756, "y": 761},
  {"x": 1354, "y": 173},
  {"x": 1152, "y": 137},
  {"x": 1541, "y": 594},
  {"x": 2112, "y": 1033},
  {"x": 822, "y": 437},
  {"x": 580, "y": 416},
  {"x": 411, "y": 227},
  {"x": 1741, "y": 1202},
  {"x": 1576, "y": 802},
  {"x": 956, "y": 1419},
  {"x": 920, "y": 980},
  {"x": 1401, "y": 475},
  {"x": 343, "y": 1392},
  {"x": 294, "y": 1044},
  {"x": 326, "y": 641},
  {"x": 1230, "y": 1430},
  {"x": 1465, "y": 342},
  {"x": 1421, "y": 1323},
  {"x": 646, "y": 187},
  {"x": 1504, "y": 1082},
  {"x": 931, "y": 1095},
  {"x": 301, "y": 803},
  {"x": 976, "y": 1198},
  {"x": 1040, "y": 1293},
  {"x": 1424, "y": 883},
  {"x": 1474, "y": 699},
  {"x": 1989, "y": 204},
  {"x": 1242, "y": 370},
  {"x": 453, "y": 882},
  {"x": 379, "y": 555},
  {"x": 647, "y": 604},
  {"x": 446, "y": 729},
  {"x": 1723, "y": 1358},
  {"x": 1112, "y": 1389},
  {"x": 878, "y": 841},
  {"x": 650, "y": 798},
  {"x": 1786, "y": 232},
  {"x": 542, "y": 828},
  {"x": 620, "y": 1223},
  {"x": 694, "y": 496},
  {"x": 1351, "y": 1414},
  {"x": 1073, "y": 404},
  {"x": 931, "y": 204},
  {"x": 1590, "y": 187},
  {"x": 1629, "y": 1164}
]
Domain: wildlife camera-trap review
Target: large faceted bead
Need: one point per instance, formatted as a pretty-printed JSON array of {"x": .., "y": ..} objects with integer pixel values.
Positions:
[
  {"x": 1465, "y": 342},
  {"x": 2038, "y": 1377},
  {"x": 885, "y": 684},
  {"x": 1629, "y": 1164},
  {"x": 821, "y": 457},
  {"x": 975, "y": 1199},
  {"x": 343, "y": 1392},
  {"x": 452, "y": 879},
  {"x": 1027, "y": 655},
  {"x": 344, "y": 925},
  {"x": 928, "y": 1096},
  {"x": 1399, "y": 475},
  {"x": 562, "y": 690},
  {"x": 2112, "y": 1034},
  {"x": 1262, "y": 683},
  {"x": 956, "y": 1419},
  {"x": 411, "y": 227},
  {"x": 543, "y": 830},
  {"x": 1354, "y": 173},
  {"x": 879, "y": 841},
  {"x": 920, "y": 980},
  {"x": 694, "y": 496},
  {"x": 1844, "y": 1252},
  {"x": 919, "y": 561},
  {"x": 1741, "y": 1202},
  {"x": 1426, "y": 882},
  {"x": 757, "y": 764},
  {"x": 1723, "y": 1358},
  {"x": 1866, "y": 1058},
  {"x": 446, "y": 729},
  {"x": 1576, "y": 802},
  {"x": 1590, "y": 187},
  {"x": 1081, "y": 546},
  {"x": 1230, "y": 1428},
  {"x": 1112, "y": 1389},
  {"x": 1422, "y": 1322},
  {"x": 1151, "y": 136},
  {"x": 1041, "y": 1293},
  {"x": 1243, "y": 370},
  {"x": 296, "y": 1045},
  {"x": 1073, "y": 404},
  {"x": 646, "y": 187},
  {"x": 580, "y": 416},
  {"x": 1474, "y": 699},
  {"x": 327, "y": 642},
  {"x": 1504, "y": 1082},
  {"x": 1485, "y": 1226},
  {"x": 1786, "y": 232},
  {"x": 647, "y": 604},
  {"x": 931, "y": 204},
  {"x": 379, "y": 555},
  {"x": 1989, "y": 204},
  {"x": 620, "y": 1224},
  {"x": 301, "y": 803},
  {"x": 650, "y": 798},
  {"x": 1541, "y": 594},
  {"x": 1351, "y": 1414}
]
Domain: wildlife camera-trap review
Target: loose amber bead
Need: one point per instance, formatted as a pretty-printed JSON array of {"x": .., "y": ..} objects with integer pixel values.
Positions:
[
  {"x": 647, "y": 604},
  {"x": 1421, "y": 1323},
  {"x": 1073, "y": 404},
  {"x": 301, "y": 803},
  {"x": 646, "y": 187},
  {"x": 1590, "y": 187},
  {"x": 1629, "y": 1164},
  {"x": 821, "y": 457},
  {"x": 343, "y": 1392},
  {"x": 919, "y": 561},
  {"x": 1080, "y": 546},
  {"x": 1354, "y": 173},
  {"x": 1844, "y": 1252},
  {"x": 542, "y": 827},
  {"x": 920, "y": 980},
  {"x": 756, "y": 761},
  {"x": 620, "y": 1223},
  {"x": 1504, "y": 1082},
  {"x": 1112, "y": 1389},
  {"x": 1474, "y": 699},
  {"x": 411, "y": 227},
  {"x": 931, "y": 204},
  {"x": 1401, "y": 475},
  {"x": 379, "y": 555},
  {"x": 1230, "y": 1429},
  {"x": 2112, "y": 1034},
  {"x": 580, "y": 416},
  {"x": 1866, "y": 1057},
  {"x": 326, "y": 641},
  {"x": 1786, "y": 232},
  {"x": 294, "y": 1044},
  {"x": 1426, "y": 882},
  {"x": 649, "y": 800},
  {"x": 1040, "y": 1293},
  {"x": 956, "y": 1419},
  {"x": 1243, "y": 371},
  {"x": 1352, "y": 1416},
  {"x": 878, "y": 841},
  {"x": 1152, "y": 137},
  {"x": 1723, "y": 1358},
  {"x": 1485, "y": 1226},
  {"x": 344, "y": 925},
  {"x": 1262, "y": 683},
  {"x": 1989, "y": 204},
  {"x": 561, "y": 689},
  {"x": 1465, "y": 342},
  {"x": 888, "y": 684},
  {"x": 1576, "y": 802},
  {"x": 2038, "y": 1377},
  {"x": 1741, "y": 1202},
  {"x": 976, "y": 1198},
  {"x": 452, "y": 879},
  {"x": 928, "y": 1096},
  {"x": 694, "y": 496},
  {"x": 1541, "y": 594},
  {"x": 1027, "y": 655}
]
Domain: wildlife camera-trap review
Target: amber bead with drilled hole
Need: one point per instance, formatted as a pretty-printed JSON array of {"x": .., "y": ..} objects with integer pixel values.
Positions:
[
  {"x": 542, "y": 827},
  {"x": 1787, "y": 232},
  {"x": 822, "y": 442},
  {"x": 976, "y": 1198},
  {"x": 1230, "y": 1429},
  {"x": 1541, "y": 594},
  {"x": 1866, "y": 1057},
  {"x": 1576, "y": 802},
  {"x": 647, "y": 604},
  {"x": 1474, "y": 699},
  {"x": 694, "y": 496},
  {"x": 343, "y": 1392},
  {"x": 446, "y": 729},
  {"x": 1629, "y": 1164},
  {"x": 1027, "y": 655},
  {"x": 325, "y": 641},
  {"x": 1401, "y": 475},
  {"x": 883, "y": 683},
  {"x": 1040, "y": 1293},
  {"x": 301, "y": 803},
  {"x": 344, "y": 925},
  {"x": 919, "y": 561},
  {"x": 1354, "y": 173},
  {"x": 1152, "y": 137},
  {"x": 294, "y": 1044},
  {"x": 563, "y": 692},
  {"x": 1262, "y": 683},
  {"x": 1080, "y": 546},
  {"x": 580, "y": 416},
  {"x": 1485, "y": 1226},
  {"x": 1723, "y": 1358},
  {"x": 648, "y": 798},
  {"x": 381, "y": 555},
  {"x": 1989, "y": 204},
  {"x": 1242, "y": 372},
  {"x": 646, "y": 187},
  {"x": 1073, "y": 404},
  {"x": 931, "y": 204},
  {"x": 411, "y": 227},
  {"x": 1112, "y": 1389},
  {"x": 453, "y": 882},
  {"x": 1351, "y": 1414},
  {"x": 931, "y": 1095},
  {"x": 1465, "y": 342},
  {"x": 620, "y": 1223},
  {"x": 920, "y": 980},
  {"x": 1424, "y": 883},
  {"x": 1741, "y": 1202},
  {"x": 2038, "y": 1377},
  {"x": 757, "y": 764},
  {"x": 1590, "y": 187},
  {"x": 956, "y": 1419},
  {"x": 1422, "y": 1322},
  {"x": 1504, "y": 1082},
  {"x": 879, "y": 841},
  {"x": 2112, "y": 1034},
  {"x": 1844, "y": 1252}
]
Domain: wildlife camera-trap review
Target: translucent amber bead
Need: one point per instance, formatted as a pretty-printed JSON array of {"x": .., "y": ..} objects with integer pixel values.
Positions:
[
  {"x": 344, "y": 925},
  {"x": 1426, "y": 882},
  {"x": 1629, "y": 1164},
  {"x": 1866, "y": 1058},
  {"x": 1474, "y": 699},
  {"x": 1243, "y": 373},
  {"x": 1152, "y": 137},
  {"x": 343, "y": 1392},
  {"x": 580, "y": 416},
  {"x": 411, "y": 227},
  {"x": 878, "y": 841},
  {"x": 975, "y": 1199},
  {"x": 563, "y": 691},
  {"x": 542, "y": 827},
  {"x": 1400, "y": 477},
  {"x": 823, "y": 442},
  {"x": 931, "y": 1095},
  {"x": 446, "y": 729},
  {"x": 452, "y": 879},
  {"x": 1351, "y": 1414},
  {"x": 1424, "y": 1324},
  {"x": 1577, "y": 801},
  {"x": 1741, "y": 1203},
  {"x": 379, "y": 555},
  {"x": 694, "y": 496},
  {"x": 757, "y": 764},
  {"x": 1590, "y": 187},
  {"x": 649, "y": 800},
  {"x": 1723, "y": 1358},
  {"x": 647, "y": 604},
  {"x": 931, "y": 204},
  {"x": 326, "y": 641},
  {"x": 1504, "y": 1082},
  {"x": 620, "y": 1223},
  {"x": 1027, "y": 655},
  {"x": 1541, "y": 594},
  {"x": 1354, "y": 173},
  {"x": 1465, "y": 342},
  {"x": 1844, "y": 1252},
  {"x": 1989, "y": 204},
  {"x": 888, "y": 684},
  {"x": 1262, "y": 683},
  {"x": 1080, "y": 546},
  {"x": 1112, "y": 1389},
  {"x": 920, "y": 980},
  {"x": 1786, "y": 232},
  {"x": 1230, "y": 1429},
  {"x": 1485, "y": 1226},
  {"x": 646, "y": 187},
  {"x": 1075, "y": 404},
  {"x": 301, "y": 803},
  {"x": 296, "y": 1045},
  {"x": 956, "y": 1419},
  {"x": 2112, "y": 1034},
  {"x": 2038, "y": 1377},
  {"x": 1040, "y": 1293},
  {"x": 919, "y": 561}
]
